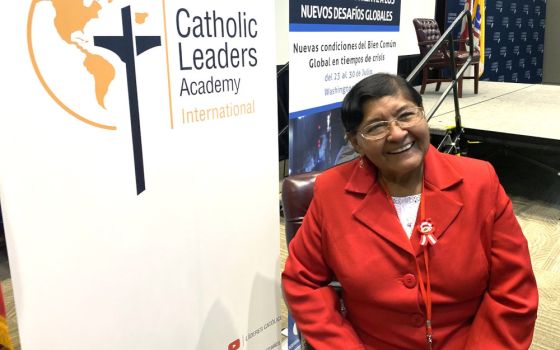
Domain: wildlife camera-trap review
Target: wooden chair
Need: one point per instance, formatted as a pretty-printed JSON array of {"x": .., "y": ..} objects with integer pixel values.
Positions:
[{"x": 427, "y": 33}]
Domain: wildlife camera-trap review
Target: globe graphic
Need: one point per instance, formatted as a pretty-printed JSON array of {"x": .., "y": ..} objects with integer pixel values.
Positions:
[{"x": 80, "y": 77}]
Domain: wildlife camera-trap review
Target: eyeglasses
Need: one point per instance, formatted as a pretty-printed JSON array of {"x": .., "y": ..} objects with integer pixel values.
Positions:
[{"x": 406, "y": 119}]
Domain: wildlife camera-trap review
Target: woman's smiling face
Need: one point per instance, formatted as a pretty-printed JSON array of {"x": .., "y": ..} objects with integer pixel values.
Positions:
[{"x": 402, "y": 150}]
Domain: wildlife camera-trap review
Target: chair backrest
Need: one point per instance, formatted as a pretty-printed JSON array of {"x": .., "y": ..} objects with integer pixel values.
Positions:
[
  {"x": 427, "y": 29},
  {"x": 297, "y": 192}
]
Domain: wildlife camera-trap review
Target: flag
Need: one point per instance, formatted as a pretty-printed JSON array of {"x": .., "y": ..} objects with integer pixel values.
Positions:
[
  {"x": 479, "y": 24},
  {"x": 464, "y": 32},
  {"x": 5, "y": 341},
  {"x": 478, "y": 15}
]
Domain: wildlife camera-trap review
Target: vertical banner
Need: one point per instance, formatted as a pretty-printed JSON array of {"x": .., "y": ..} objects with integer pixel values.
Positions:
[
  {"x": 333, "y": 45},
  {"x": 139, "y": 173}
]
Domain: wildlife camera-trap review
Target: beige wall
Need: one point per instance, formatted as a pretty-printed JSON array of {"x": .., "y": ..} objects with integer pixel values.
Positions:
[{"x": 551, "y": 70}]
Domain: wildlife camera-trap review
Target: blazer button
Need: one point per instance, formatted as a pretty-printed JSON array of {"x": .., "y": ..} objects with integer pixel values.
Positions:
[
  {"x": 417, "y": 320},
  {"x": 409, "y": 280}
]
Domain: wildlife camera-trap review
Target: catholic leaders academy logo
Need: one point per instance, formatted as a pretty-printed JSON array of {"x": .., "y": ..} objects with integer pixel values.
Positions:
[{"x": 79, "y": 79}]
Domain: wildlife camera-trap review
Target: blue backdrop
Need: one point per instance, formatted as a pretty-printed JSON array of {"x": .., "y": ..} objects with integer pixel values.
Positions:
[{"x": 514, "y": 39}]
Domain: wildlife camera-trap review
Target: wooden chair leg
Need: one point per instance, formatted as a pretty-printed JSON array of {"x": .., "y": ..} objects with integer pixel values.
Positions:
[
  {"x": 476, "y": 78},
  {"x": 424, "y": 79},
  {"x": 460, "y": 88}
]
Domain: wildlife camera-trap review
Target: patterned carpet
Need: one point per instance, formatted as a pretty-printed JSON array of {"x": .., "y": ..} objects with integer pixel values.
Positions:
[
  {"x": 541, "y": 224},
  {"x": 535, "y": 192}
]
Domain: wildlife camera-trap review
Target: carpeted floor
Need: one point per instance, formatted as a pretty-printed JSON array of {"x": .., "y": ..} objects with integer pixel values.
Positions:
[{"x": 541, "y": 225}]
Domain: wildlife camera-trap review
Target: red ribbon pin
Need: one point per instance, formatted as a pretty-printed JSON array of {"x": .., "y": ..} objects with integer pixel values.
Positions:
[{"x": 427, "y": 231}]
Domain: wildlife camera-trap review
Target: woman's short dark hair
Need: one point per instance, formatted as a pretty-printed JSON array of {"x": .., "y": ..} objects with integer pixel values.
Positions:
[{"x": 374, "y": 87}]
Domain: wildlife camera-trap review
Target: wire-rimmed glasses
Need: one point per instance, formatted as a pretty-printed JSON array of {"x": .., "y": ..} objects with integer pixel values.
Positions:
[{"x": 380, "y": 129}]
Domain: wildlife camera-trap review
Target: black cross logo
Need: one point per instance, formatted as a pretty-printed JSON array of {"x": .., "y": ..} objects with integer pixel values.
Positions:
[{"x": 123, "y": 46}]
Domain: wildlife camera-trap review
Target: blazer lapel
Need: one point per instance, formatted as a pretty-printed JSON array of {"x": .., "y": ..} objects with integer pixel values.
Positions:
[
  {"x": 375, "y": 211},
  {"x": 441, "y": 207},
  {"x": 379, "y": 215}
]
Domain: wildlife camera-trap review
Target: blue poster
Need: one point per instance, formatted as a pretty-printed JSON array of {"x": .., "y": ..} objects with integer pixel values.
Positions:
[{"x": 333, "y": 45}]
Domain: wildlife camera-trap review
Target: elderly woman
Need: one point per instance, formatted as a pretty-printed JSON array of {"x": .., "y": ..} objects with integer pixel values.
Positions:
[{"x": 425, "y": 245}]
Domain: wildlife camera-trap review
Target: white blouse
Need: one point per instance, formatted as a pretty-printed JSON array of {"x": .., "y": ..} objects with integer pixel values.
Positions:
[{"x": 407, "y": 210}]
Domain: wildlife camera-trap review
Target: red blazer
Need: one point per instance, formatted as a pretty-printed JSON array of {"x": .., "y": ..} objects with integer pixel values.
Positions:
[{"x": 484, "y": 293}]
